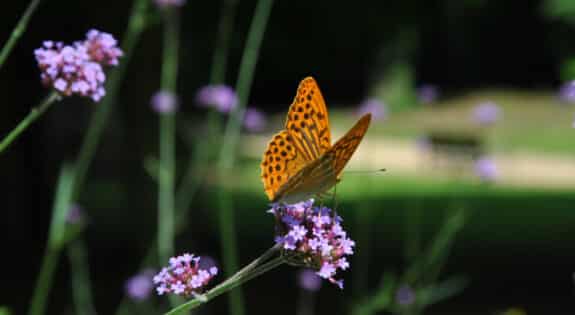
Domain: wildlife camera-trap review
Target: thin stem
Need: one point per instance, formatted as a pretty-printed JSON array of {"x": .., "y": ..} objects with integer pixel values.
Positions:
[
  {"x": 80, "y": 278},
  {"x": 244, "y": 83},
  {"x": 166, "y": 200},
  {"x": 18, "y": 31},
  {"x": 44, "y": 282},
  {"x": 100, "y": 117},
  {"x": 231, "y": 137},
  {"x": 34, "y": 114},
  {"x": 220, "y": 58},
  {"x": 227, "y": 286}
]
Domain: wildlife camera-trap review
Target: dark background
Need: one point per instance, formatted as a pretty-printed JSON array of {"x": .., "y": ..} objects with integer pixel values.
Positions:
[{"x": 457, "y": 45}]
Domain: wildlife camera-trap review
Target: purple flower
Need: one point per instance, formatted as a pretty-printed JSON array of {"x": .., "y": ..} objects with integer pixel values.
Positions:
[
  {"x": 567, "y": 92},
  {"x": 486, "y": 169},
  {"x": 427, "y": 93},
  {"x": 169, "y": 3},
  {"x": 309, "y": 280},
  {"x": 404, "y": 295},
  {"x": 77, "y": 69},
  {"x": 102, "y": 48},
  {"x": 140, "y": 286},
  {"x": 254, "y": 120},
  {"x": 313, "y": 237},
  {"x": 75, "y": 214},
  {"x": 220, "y": 97},
  {"x": 377, "y": 109},
  {"x": 164, "y": 102},
  {"x": 486, "y": 113},
  {"x": 183, "y": 276}
]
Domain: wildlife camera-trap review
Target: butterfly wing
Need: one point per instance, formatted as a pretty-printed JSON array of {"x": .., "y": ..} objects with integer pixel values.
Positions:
[
  {"x": 323, "y": 173},
  {"x": 344, "y": 148},
  {"x": 307, "y": 121},
  {"x": 280, "y": 162}
]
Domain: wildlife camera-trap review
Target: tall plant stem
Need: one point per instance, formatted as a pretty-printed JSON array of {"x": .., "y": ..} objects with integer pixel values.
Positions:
[
  {"x": 230, "y": 141},
  {"x": 34, "y": 114},
  {"x": 18, "y": 31},
  {"x": 100, "y": 116},
  {"x": 166, "y": 202}
]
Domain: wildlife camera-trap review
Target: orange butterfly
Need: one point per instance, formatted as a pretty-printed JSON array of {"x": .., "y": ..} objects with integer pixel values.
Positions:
[{"x": 300, "y": 161}]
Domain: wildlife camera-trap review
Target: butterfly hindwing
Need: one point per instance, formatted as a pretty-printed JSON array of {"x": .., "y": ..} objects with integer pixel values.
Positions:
[
  {"x": 344, "y": 148},
  {"x": 308, "y": 122}
]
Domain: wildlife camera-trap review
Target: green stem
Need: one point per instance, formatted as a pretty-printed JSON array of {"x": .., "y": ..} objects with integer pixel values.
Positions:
[
  {"x": 244, "y": 83},
  {"x": 220, "y": 58},
  {"x": 44, "y": 282},
  {"x": 100, "y": 117},
  {"x": 80, "y": 278},
  {"x": 34, "y": 114},
  {"x": 18, "y": 31},
  {"x": 231, "y": 137},
  {"x": 166, "y": 202},
  {"x": 227, "y": 286}
]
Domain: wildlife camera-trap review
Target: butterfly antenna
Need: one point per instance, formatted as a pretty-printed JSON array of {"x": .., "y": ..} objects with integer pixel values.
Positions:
[{"x": 381, "y": 170}]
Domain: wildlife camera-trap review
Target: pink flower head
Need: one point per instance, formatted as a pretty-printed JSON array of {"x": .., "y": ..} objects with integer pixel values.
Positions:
[
  {"x": 169, "y": 3},
  {"x": 102, "y": 48},
  {"x": 486, "y": 113},
  {"x": 164, "y": 102},
  {"x": 309, "y": 280},
  {"x": 183, "y": 276},
  {"x": 220, "y": 97},
  {"x": 427, "y": 93},
  {"x": 486, "y": 169},
  {"x": 313, "y": 237},
  {"x": 77, "y": 69}
]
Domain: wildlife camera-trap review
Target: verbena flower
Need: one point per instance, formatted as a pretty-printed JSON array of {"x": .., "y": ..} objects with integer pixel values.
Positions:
[
  {"x": 313, "y": 237},
  {"x": 567, "y": 92},
  {"x": 309, "y": 280},
  {"x": 220, "y": 97},
  {"x": 486, "y": 169},
  {"x": 183, "y": 276},
  {"x": 377, "y": 108},
  {"x": 423, "y": 143},
  {"x": 102, "y": 48},
  {"x": 486, "y": 113},
  {"x": 404, "y": 295},
  {"x": 169, "y": 3},
  {"x": 77, "y": 69},
  {"x": 164, "y": 102},
  {"x": 140, "y": 286},
  {"x": 427, "y": 93},
  {"x": 254, "y": 120}
]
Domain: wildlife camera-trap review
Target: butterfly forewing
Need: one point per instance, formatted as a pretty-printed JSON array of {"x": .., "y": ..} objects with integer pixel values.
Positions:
[
  {"x": 308, "y": 122},
  {"x": 279, "y": 163}
]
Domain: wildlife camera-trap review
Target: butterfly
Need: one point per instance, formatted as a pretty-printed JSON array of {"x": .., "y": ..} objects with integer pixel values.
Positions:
[{"x": 300, "y": 161}]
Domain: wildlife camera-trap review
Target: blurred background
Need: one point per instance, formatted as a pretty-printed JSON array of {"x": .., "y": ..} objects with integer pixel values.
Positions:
[{"x": 474, "y": 117}]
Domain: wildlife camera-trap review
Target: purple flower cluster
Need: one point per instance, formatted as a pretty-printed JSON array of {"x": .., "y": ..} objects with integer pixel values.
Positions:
[
  {"x": 141, "y": 285},
  {"x": 254, "y": 120},
  {"x": 309, "y": 280},
  {"x": 164, "y": 102},
  {"x": 184, "y": 276},
  {"x": 427, "y": 93},
  {"x": 169, "y": 3},
  {"x": 377, "y": 109},
  {"x": 220, "y": 97},
  {"x": 486, "y": 169},
  {"x": 486, "y": 113},
  {"x": 77, "y": 69},
  {"x": 313, "y": 237},
  {"x": 567, "y": 92}
]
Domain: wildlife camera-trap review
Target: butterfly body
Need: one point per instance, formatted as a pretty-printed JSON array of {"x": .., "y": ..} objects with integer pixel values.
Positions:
[{"x": 300, "y": 161}]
